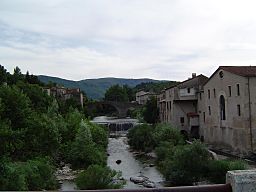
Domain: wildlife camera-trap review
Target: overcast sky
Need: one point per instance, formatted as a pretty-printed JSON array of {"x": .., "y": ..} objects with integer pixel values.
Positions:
[{"x": 160, "y": 39}]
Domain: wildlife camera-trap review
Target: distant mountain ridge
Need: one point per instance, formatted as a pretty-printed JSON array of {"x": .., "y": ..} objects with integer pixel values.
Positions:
[{"x": 95, "y": 88}]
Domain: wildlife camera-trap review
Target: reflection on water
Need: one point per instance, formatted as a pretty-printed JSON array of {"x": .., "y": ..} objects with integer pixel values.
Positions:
[{"x": 130, "y": 167}]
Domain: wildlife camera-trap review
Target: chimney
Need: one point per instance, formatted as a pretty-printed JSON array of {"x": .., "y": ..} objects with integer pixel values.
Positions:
[{"x": 193, "y": 75}]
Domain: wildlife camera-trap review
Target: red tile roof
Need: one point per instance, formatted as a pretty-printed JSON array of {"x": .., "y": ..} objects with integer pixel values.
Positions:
[{"x": 245, "y": 71}]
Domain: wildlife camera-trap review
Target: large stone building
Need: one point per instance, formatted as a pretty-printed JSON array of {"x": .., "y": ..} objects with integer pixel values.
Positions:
[
  {"x": 66, "y": 93},
  {"x": 179, "y": 106},
  {"x": 221, "y": 109},
  {"x": 229, "y": 108}
]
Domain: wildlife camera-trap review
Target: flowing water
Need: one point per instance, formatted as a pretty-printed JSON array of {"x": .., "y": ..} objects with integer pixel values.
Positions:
[{"x": 118, "y": 149}]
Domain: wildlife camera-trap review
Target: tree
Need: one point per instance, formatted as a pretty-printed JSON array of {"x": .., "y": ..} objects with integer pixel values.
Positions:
[
  {"x": 42, "y": 136},
  {"x": 150, "y": 112},
  {"x": 17, "y": 106},
  {"x": 116, "y": 93},
  {"x": 141, "y": 138},
  {"x": 130, "y": 93},
  {"x": 3, "y": 75},
  {"x": 40, "y": 101},
  {"x": 84, "y": 152},
  {"x": 17, "y": 76},
  {"x": 98, "y": 177}
]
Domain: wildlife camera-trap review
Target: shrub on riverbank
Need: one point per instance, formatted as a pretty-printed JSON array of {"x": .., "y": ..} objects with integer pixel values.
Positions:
[
  {"x": 98, "y": 177},
  {"x": 84, "y": 151},
  {"x": 36, "y": 174},
  {"x": 186, "y": 165},
  {"x": 216, "y": 170},
  {"x": 141, "y": 138}
]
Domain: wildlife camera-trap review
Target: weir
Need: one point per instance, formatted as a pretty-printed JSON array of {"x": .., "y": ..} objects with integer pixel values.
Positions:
[{"x": 117, "y": 127}]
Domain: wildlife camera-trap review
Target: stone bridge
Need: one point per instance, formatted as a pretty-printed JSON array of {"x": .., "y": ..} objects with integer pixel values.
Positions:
[{"x": 121, "y": 107}]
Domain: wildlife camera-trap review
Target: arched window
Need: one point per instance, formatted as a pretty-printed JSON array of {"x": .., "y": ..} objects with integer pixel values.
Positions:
[{"x": 222, "y": 108}]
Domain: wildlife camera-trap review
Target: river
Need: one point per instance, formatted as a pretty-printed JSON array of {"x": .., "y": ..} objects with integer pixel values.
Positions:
[{"x": 118, "y": 149}]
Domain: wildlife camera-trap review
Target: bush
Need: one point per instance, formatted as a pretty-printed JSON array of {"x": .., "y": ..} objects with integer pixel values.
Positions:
[
  {"x": 141, "y": 138},
  {"x": 187, "y": 165},
  {"x": 217, "y": 169},
  {"x": 37, "y": 174},
  {"x": 165, "y": 132},
  {"x": 98, "y": 177}
]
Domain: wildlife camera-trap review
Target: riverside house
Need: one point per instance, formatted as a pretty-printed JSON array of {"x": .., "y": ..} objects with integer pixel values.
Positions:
[{"x": 220, "y": 110}]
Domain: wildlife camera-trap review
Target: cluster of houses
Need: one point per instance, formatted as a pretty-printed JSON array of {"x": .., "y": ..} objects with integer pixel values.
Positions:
[
  {"x": 66, "y": 93},
  {"x": 221, "y": 109}
]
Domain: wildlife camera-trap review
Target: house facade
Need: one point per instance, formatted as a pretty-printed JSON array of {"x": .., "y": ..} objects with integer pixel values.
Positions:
[
  {"x": 220, "y": 110},
  {"x": 142, "y": 97},
  {"x": 66, "y": 93},
  {"x": 230, "y": 108},
  {"x": 179, "y": 105}
]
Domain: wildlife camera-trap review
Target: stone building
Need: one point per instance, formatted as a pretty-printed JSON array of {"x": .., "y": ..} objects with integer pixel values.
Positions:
[
  {"x": 161, "y": 104},
  {"x": 180, "y": 106},
  {"x": 66, "y": 93},
  {"x": 142, "y": 97},
  {"x": 229, "y": 108}
]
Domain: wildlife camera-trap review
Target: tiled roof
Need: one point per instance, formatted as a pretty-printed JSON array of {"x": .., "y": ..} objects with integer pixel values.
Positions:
[{"x": 245, "y": 71}]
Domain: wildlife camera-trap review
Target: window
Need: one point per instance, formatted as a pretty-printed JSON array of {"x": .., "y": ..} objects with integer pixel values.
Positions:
[
  {"x": 238, "y": 110},
  {"x": 204, "y": 117},
  {"x": 182, "y": 120},
  {"x": 200, "y": 96},
  {"x": 188, "y": 89},
  {"x": 222, "y": 108},
  {"x": 214, "y": 93},
  {"x": 209, "y": 109},
  {"x": 237, "y": 89},
  {"x": 229, "y": 91},
  {"x": 221, "y": 74},
  {"x": 209, "y": 94}
]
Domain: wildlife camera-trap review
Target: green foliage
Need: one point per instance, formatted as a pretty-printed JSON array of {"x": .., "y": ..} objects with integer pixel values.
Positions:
[
  {"x": 98, "y": 177},
  {"x": 17, "y": 106},
  {"x": 217, "y": 169},
  {"x": 164, "y": 152},
  {"x": 116, "y": 93},
  {"x": 141, "y": 137},
  {"x": 3, "y": 75},
  {"x": 36, "y": 174},
  {"x": 155, "y": 87},
  {"x": 40, "y": 101},
  {"x": 165, "y": 132},
  {"x": 150, "y": 113},
  {"x": 84, "y": 152},
  {"x": 99, "y": 134},
  {"x": 44, "y": 137},
  {"x": 187, "y": 164}
]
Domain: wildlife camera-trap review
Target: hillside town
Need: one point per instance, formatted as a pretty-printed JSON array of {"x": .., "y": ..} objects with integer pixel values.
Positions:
[{"x": 219, "y": 110}]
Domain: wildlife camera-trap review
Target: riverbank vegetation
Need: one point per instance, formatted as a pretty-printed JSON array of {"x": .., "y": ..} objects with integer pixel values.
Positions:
[
  {"x": 38, "y": 132},
  {"x": 180, "y": 163}
]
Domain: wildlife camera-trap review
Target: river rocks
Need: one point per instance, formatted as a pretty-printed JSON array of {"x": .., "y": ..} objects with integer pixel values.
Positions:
[
  {"x": 138, "y": 179},
  {"x": 118, "y": 161},
  {"x": 149, "y": 184},
  {"x": 65, "y": 173},
  {"x": 142, "y": 180}
]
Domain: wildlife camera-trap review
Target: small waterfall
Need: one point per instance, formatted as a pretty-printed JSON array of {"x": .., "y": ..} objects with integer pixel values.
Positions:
[{"x": 117, "y": 127}]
